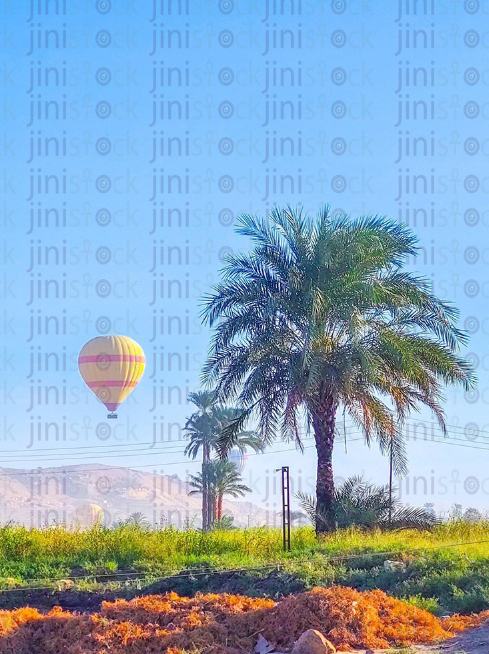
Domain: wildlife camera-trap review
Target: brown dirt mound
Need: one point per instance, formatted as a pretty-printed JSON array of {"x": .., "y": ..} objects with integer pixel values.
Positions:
[{"x": 226, "y": 623}]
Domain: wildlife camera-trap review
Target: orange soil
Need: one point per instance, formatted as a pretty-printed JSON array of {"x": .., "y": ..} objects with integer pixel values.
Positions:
[{"x": 226, "y": 623}]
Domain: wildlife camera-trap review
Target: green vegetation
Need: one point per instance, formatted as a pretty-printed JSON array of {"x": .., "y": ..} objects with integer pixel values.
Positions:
[
  {"x": 357, "y": 502},
  {"x": 431, "y": 571}
]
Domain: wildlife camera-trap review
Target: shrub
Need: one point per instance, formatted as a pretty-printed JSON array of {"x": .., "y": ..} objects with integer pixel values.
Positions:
[{"x": 359, "y": 503}]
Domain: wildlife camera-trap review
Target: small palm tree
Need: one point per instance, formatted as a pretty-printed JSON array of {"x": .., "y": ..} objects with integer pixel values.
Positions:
[
  {"x": 320, "y": 315},
  {"x": 204, "y": 429},
  {"x": 356, "y": 502},
  {"x": 223, "y": 478},
  {"x": 137, "y": 519}
]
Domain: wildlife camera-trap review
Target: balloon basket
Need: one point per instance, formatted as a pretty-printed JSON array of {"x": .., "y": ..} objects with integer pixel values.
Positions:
[{"x": 112, "y": 416}]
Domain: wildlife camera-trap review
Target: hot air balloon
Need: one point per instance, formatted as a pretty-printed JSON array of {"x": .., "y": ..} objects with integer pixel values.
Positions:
[
  {"x": 111, "y": 366},
  {"x": 238, "y": 458},
  {"x": 89, "y": 515}
]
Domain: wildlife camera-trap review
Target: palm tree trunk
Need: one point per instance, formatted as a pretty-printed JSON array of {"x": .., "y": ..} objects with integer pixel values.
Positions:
[
  {"x": 212, "y": 509},
  {"x": 206, "y": 455},
  {"x": 204, "y": 496},
  {"x": 219, "y": 506},
  {"x": 323, "y": 422}
]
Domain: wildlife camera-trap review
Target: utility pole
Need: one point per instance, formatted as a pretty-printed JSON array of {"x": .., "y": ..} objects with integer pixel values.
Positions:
[
  {"x": 285, "y": 506},
  {"x": 391, "y": 466}
]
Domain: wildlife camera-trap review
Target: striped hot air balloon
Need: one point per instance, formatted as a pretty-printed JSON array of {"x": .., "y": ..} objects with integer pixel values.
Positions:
[
  {"x": 111, "y": 366},
  {"x": 238, "y": 458},
  {"x": 89, "y": 515}
]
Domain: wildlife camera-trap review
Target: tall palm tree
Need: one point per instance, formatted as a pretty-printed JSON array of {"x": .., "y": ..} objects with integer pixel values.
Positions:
[
  {"x": 204, "y": 429},
  {"x": 320, "y": 315},
  {"x": 201, "y": 425},
  {"x": 201, "y": 429},
  {"x": 223, "y": 479}
]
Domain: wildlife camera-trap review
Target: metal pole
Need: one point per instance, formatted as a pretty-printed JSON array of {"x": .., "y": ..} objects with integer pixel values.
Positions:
[
  {"x": 285, "y": 507},
  {"x": 288, "y": 507},
  {"x": 391, "y": 457}
]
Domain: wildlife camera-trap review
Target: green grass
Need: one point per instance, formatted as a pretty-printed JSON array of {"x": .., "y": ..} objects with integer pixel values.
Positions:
[
  {"x": 427, "y": 603},
  {"x": 436, "y": 577}
]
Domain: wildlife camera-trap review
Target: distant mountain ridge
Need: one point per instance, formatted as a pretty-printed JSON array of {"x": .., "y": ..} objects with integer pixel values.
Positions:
[{"x": 61, "y": 495}]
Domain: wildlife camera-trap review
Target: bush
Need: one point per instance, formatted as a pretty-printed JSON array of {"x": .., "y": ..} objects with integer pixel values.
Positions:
[
  {"x": 356, "y": 502},
  {"x": 426, "y": 603}
]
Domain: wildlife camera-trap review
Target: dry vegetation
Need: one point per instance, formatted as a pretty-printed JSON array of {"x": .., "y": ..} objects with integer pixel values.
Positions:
[
  {"x": 226, "y": 623},
  {"x": 443, "y": 570},
  {"x": 446, "y": 569}
]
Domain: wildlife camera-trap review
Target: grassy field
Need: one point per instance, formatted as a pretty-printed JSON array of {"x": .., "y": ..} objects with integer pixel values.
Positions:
[{"x": 441, "y": 570}]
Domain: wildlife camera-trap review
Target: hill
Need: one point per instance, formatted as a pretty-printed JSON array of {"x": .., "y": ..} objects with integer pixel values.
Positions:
[{"x": 62, "y": 495}]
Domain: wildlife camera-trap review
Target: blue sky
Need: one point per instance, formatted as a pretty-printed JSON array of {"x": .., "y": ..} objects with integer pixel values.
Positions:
[{"x": 340, "y": 115}]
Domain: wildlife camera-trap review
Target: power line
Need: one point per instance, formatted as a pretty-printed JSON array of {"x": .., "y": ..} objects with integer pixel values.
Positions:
[
  {"x": 438, "y": 428},
  {"x": 168, "y": 446},
  {"x": 429, "y": 422},
  {"x": 161, "y": 449},
  {"x": 96, "y": 447},
  {"x": 447, "y": 441},
  {"x": 124, "y": 445},
  {"x": 97, "y": 456},
  {"x": 199, "y": 571},
  {"x": 152, "y": 465}
]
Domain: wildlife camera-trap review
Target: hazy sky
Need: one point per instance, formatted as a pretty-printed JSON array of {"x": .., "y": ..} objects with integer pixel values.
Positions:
[{"x": 305, "y": 107}]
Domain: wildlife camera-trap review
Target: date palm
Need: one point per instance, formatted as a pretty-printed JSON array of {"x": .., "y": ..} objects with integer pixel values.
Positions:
[
  {"x": 318, "y": 316},
  {"x": 201, "y": 429},
  {"x": 223, "y": 479},
  {"x": 359, "y": 503},
  {"x": 204, "y": 429},
  {"x": 137, "y": 519}
]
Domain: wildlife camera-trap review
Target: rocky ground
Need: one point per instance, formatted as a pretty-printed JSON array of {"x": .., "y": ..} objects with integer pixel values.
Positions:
[{"x": 474, "y": 641}]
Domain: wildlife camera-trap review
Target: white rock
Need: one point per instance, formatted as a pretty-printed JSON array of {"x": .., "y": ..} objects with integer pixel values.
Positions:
[{"x": 395, "y": 566}]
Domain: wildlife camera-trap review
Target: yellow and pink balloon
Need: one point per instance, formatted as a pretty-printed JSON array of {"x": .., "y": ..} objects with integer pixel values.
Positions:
[
  {"x": 89, "y": 515},
  {"x": 111, "y": 366}
]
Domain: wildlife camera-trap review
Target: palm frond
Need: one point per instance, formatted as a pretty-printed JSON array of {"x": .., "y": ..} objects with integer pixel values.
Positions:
[
  {"x": 321, "y": 312},
  {"x": 358, "y": 503}
]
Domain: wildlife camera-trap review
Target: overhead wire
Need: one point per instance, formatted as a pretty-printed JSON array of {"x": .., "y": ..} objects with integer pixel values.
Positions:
[{"x": 199, "y": 571}]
